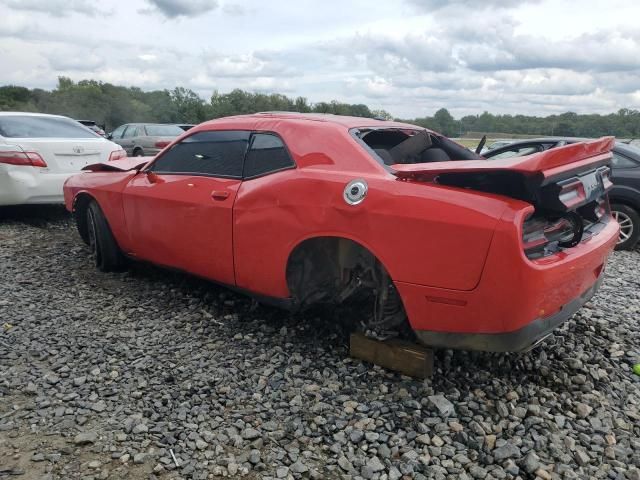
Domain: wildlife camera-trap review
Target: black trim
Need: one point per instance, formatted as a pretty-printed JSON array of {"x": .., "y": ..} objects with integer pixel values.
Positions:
[
  {"x": 271, "y": 172},
  {"x": 194, "y": 174},
  {"x": 517, "y": 341},
  {"x": 235, "y": 177}
]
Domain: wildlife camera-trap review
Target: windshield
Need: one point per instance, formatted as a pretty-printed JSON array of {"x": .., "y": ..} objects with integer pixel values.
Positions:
[
  {"x": 163, "y": 130},
  {"x": 632, "y": 148},
  {"x": 31, "y": 126}
]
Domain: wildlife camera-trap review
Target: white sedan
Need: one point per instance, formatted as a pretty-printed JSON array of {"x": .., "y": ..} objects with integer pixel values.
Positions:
[{"x": 39, "y": 152}]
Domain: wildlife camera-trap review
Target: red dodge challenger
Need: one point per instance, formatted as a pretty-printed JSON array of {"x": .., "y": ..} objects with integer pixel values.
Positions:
[{"x": 296, "y": 209}]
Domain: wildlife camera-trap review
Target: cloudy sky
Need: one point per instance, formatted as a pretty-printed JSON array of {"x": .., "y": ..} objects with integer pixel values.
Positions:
[{"x": 409, "y": 57}]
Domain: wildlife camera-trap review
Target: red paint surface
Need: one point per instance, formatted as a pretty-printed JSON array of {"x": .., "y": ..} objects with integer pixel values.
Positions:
[{"x": 455, "y": 255}]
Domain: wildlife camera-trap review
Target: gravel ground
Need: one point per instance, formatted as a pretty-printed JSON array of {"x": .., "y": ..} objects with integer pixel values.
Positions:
[{"x": 107, "y": 375}]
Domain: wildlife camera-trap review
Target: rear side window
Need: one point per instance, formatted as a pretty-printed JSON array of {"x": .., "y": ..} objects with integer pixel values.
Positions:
[
  {"x": 130, "y": 132},
  {"x": 163, "y": 131},
  {"x": 214, "y": 153},
  {"x": 267, "y": 154},
  {"x": 27, "y": 126}
]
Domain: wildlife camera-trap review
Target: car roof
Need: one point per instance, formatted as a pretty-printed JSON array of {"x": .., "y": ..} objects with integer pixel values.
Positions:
[
  {"x": 346, "y": 121},
  {"x": 631, "y": 150},
  {"x": 149, "y": 123},
  {"x": 32, "y": 114}
]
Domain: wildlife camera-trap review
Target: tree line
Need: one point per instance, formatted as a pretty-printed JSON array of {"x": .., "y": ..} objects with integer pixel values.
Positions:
[
  {"x": 625, "y": 123},
  {"x": 112, "y": 105}
]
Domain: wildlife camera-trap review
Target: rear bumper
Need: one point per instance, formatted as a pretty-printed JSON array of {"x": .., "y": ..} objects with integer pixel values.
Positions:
[
  {"x": 516, "y": 341},
  {"x": 30, "y": 185},
  {"x": 516, "y": 302}
]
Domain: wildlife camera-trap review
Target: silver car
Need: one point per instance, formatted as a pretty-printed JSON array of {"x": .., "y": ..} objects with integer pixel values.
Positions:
[{"x": 144, "y": 139}]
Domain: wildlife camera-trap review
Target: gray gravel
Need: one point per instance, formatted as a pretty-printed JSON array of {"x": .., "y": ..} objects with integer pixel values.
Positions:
[{"x": 152, "y": 374}]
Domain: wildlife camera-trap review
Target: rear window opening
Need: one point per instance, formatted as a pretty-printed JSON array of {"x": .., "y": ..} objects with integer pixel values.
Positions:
[{"x": 405, "y": 146}]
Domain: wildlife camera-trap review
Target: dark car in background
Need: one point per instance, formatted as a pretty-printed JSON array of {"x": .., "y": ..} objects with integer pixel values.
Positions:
[
  {"x": 92, "y": 125},
  {"x": 144, "y": 139},
  {"x": 624, "y": 197}
]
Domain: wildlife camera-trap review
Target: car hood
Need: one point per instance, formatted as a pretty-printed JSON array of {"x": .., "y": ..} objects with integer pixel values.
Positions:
[{"x": 123, "y": 165}]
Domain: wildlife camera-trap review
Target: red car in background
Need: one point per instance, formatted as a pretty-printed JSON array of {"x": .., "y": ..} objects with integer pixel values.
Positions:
[{"x": 299, "y": 209}]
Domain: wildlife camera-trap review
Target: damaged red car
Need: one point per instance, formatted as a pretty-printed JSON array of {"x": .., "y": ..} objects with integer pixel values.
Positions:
[{"x": 300, "y": 209}]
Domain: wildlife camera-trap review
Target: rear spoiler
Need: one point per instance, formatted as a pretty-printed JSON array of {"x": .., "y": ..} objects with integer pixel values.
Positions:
[
  {"x": 124, "y": 165},
  {"x": 548, "y": 163}
]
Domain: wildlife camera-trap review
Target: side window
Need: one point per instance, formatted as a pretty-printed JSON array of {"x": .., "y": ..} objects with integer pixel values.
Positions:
[
  {"x": 130, "y": 131},
  {"x": 117, "y": 133},
  {"x": 620, "y": 161},
  {"x": 266, "y": 154},
  {"x": 213, "y": 153}
]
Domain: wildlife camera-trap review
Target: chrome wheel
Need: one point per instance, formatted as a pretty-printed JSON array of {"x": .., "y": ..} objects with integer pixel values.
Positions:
[{"x": 626, "y": 225}]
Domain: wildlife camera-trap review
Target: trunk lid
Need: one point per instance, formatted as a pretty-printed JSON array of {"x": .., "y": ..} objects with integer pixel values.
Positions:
[
  {"x": 558, "y": 180},
  {"x": 69, "y": 155}
]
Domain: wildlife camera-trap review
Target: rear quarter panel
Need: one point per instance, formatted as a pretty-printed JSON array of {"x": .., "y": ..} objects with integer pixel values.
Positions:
[{"x": 422, "y": 233}]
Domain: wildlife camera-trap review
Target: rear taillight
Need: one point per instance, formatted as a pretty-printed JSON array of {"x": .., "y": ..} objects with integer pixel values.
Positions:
[
  {"x": 162, "y": 143},
  {"x": 29, "y": 159},
  {"x": 542, "y": 236},
  {"x": 117, "y": 155},
  {"x": 602, "y": 208},
  {"x": 572, "y": 194},
  {"x": 578, "y": 191},
  {"x": 605, "y": 172}
]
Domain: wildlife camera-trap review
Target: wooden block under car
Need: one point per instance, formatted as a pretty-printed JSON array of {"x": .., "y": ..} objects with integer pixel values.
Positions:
[{"x": 401, "y": 356}]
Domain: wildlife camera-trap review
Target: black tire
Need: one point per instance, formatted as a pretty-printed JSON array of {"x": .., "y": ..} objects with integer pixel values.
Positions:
[
  {"x": 104, "y": 249},
  {"x": 629, "y": 220},
  {"x": 138, "y": 152}
]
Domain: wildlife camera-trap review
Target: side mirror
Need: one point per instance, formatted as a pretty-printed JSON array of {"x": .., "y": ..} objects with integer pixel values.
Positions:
[
  {"x": 109, "y": 136},
  {"x": 152, "y": 177}
]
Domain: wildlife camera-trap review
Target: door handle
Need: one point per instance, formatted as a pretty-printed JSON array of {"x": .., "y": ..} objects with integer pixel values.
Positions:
[{"x": 219, "y": 194}]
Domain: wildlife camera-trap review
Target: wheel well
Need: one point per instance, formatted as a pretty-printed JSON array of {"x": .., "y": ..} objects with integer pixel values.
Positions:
[
  {"x": 332, "y": 270},
  {"x": 137, "y": 149},
  {"x": 316, "y": 267},
  {"x": 624, "y": 201},
  {"x": 80, "y": 205}
]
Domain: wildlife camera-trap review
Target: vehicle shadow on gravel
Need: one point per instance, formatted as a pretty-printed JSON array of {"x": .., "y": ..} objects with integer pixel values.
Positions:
[{"x": 41, "y": 216}]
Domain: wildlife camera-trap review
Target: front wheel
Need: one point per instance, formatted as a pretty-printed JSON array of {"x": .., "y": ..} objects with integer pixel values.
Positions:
[
  {"x": 138, "y": 153},
  {"x": 104, "y": 250},
  {"x": 629, "y": 221}
]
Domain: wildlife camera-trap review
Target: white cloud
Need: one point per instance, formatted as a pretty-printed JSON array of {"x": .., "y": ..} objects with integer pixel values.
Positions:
[
  {"x": 56, "y": 8},
  {"x": 409, "y": 58},
  {"x": 183, "y": 8}
]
